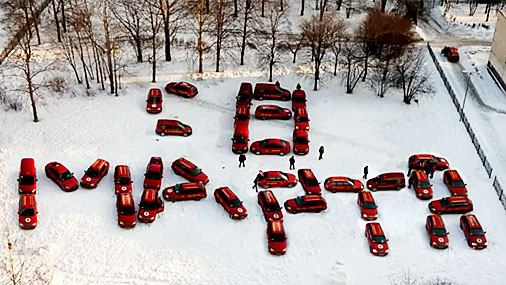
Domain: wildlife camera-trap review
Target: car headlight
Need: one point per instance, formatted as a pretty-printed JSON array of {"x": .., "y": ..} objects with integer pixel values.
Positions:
[
  {"x": 21, "y": 224},
  {"x": 387, "y": 250},
  {"x": 121, "y": 223},
  {"x": 374, "y": 250},
  {"x": 486, "y": 243},
  {"x": 283, "y": 250},
  {"x": 307, "y": 128},
  {"x": 434, "y": 243},
  {"x": 236, "y": 215},
  {"x": 364, "y": 215},
  {"x": 92, "y": 185},
  {"x": 474, "y": 244},
  {"x": 271, "y": 249},
  {"x": 361, "y": 186},
  {"x": 375, "y": 216}
]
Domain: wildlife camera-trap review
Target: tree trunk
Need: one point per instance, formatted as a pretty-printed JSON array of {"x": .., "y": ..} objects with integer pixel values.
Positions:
[
  {"x": 281, "y": 4},
  {"x": 335, "y": 65},
  {"x": 263, "y": 8},
  {"x": 35, "y": 21},
  {"x": 339, "y": 2},
  {"x": 27, "y": 21},
  {"x": 383, "y": 5},
  {"x": 271, "y": 60},
  {"x": 154, "y": 59},
  {"x": 218, "y": 51},
  {"x": 235, "y": 8},
  {"x": 95, "y": 60},
  {"x": 166, "y": 33},
  {"x": 108, "y": 50},
  {"x": 302, "y": 4},
  {"x": 83, "y": 62},
  {"x": 316, "y": 75},
  {"x": 245, "y": 29},
  {"x": 138, "y": 45},
  {"x": 366, "y": 65},
  {"x": 30, "y": 89},
  {"x": 57, "y": 23},
  {"x": 63, "y": 19},
  {"x": 201, "y": 40},
  {"x": 207, "y": 7},
  {"x": 100, "y": 69}
]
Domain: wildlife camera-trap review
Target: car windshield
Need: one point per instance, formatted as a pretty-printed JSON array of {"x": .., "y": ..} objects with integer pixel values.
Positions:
[
  {"x": 243, "y": 97},
  {"x": 300, "y": 140},
  {"x": 181, "y": 126},
  {"x": 273, "y": 207},
  {"x": 299, "y": 99},
  {"x": 127, "y": 211},
  {"x": 312, "y": 182},
  {"x": 299, "y": 200},
  {"x": 436, "y": 159},
  {"x": 351, "y": 181},
  {"x": 235, "y": 203},
  {"x": 424, "y": 184},
  {"x": 458, "y": 183},
  {"x": 283, "y": 175},
  {"x": 92, "y": 173},
  {"x": 277, "y": 237},
  {"x": 241, "y": 117},
  {"x": 193, "y": 88},
  {"x": 240, "y": 139},
  {"x": 178, "y": 188},
  {"x": 154, "y": 100},
  {"x": 439, "y": 232},
  {"x": 148, "y": 205},
  {"x": 444, "y": 202},
  {"x": 455, "y": 54},
  {"x": 27, "y": 212},
  {"x": 26, "y": 180},
  {"x": 66, "y": 176},
  {"x": 369, "y": 205},
  {"x": 153, "y": 175},
  {"x": 196, "y": 171},
  {"x": 379, "y": 239},
  {"x": 476, "y": 232},
  {"x": 302, "y": 119},
  {"x": 123, "y": 180}
]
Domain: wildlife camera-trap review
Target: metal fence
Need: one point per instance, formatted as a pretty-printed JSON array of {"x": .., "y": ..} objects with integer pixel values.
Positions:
[{"x": 472, "y": 135}]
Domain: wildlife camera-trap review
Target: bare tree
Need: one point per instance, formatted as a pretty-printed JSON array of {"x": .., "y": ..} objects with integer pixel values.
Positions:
[
  {"x": 321, "y": 34},
  {"x": 269, "y": 45},
  {"x": 171, "y": 13},
  {"x": 131, "y": 16},
  {"x": 247, "y": 31},
  {"x": 155, "y": 23},
  {"x": 56, "y": 21},
  {"x": 337, "y": 46},
  {"x": 302, "y": 4},
  {"x": 67, "y": 47},
  {"x": 412, "y": 75},
  {"x": 221, "y": 26},
  {"x": 352, "y": 60},
  {"x": 294, "y": 43},
  {"x": 199, "y": 19},
  {"x": 108, "y": 45}
]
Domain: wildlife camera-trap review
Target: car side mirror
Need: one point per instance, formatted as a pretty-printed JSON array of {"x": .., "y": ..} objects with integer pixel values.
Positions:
[
  {"x": 484, "y": 232},
  {"x": 387, "y": 240},
  {"x": 465, "y": 184},
  {"x": 431, "y": 185},
  {"x": 18, "y": 179},
  {"x": 447, "y": 233}
]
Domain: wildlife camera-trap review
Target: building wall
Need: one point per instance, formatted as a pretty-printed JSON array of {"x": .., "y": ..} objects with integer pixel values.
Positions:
[{"x": 497, "y": 59}]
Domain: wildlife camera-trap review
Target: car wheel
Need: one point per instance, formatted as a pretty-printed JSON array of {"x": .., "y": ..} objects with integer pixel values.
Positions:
[
  {"x": 185, "y": 134},
  {"x": 281, "y": 153},
  {"x": 398, "y": 188},
  {"x": 173, "y": 200},
  {"x": 265, "y": 186},
  {"x": 260, "y": 98},
  {"x": 319, "y": 211},
  {"x": 374, "y": 189},
  {"x": 216, "y": 199},
  {"x": 258, "y": 152},
  {"x": 290, "y": 185},
  {"x": 333, "y": 191},
  {"x": 162, "y": 134},
  {"x": 198, "y": 198},
  {"x": 294, "y": 212},
  {"x": 262, "y": 118}
]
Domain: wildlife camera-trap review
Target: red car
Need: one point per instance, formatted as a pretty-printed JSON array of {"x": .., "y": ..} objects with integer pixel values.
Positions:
[
  {"x": 95, "y": 173},
  {"x": 234, "y": 207},
  {"x": 277, "y": 179},
  {"x": 420, "y": 182},
  {"x": 454, "y": 183},
  {"x": 418, "y": 160},
  {"x": 270, "y": 146},
  {"x": 376, "y": 237},
  {"x": 306, "y": 203},
  {"x": 276, "y": 238},
  {"x": 122, "y": 179},
  {"x": 154, "y": 174},
  {"x": 245, "y": 95},
  {"x": 451, "y": 205},
  {"x": 271, "y": 91},
  {"x": 368, "y": 208},
  {"x": 343, "y": 184},
  {"x": 242, "y": 114},
  {"x": 149, "y": 206},
  {"x": 172, "y": 127},
  {"x": 183, "y": 89},
  {"x": 309, "y": 182},
  {"x": 263, "y": 112},
  {"x": 154, "y": 101},
  {"x": 190, "y": 171},
  {"x": 240, "y": 138},
  {"x": 27, "y": 181},
  {"x": 270, "y": 206},
  {"x": 452, "y": 53},
  {"x": 61, "y": 176},
  {"x": 125, "y": 208},
  {"x": 27, "y": 211},
  {"x": 300, "y": 142},
  {"x": 185, "y": 191},
  {"x": 387, "y": 181},
  {"x": 301, "y": 118},
  {"x": 437, "y": 231},
  {"x": 298, "y": 99},
  {"x": 474, "y": 233}
]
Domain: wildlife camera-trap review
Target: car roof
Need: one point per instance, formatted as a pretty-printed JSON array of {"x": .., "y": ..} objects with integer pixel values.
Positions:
[
  {"x": 276, "y": 141},
  {"x": 245, "y": 87},
  {"x": 27, "y": 200},
  {"x": 228, "y": 193},
  {"x": 155, "y": 92},
  {"x": 185, "y": 163},
  {"x": 299, "y": 93},
  {"x": 301, "y": 111},
  {"x": 420, "y": 174},
  {"x": 154, "y": 167},
  {"x": 458, "y": 199},
  {"x": 192, "y": 185},
  {"x": 453, "y": 49},
  {"x": 337, "y": 178},
  {"x": 149, "y": 195},
  {"x": 277, "y": 226},
  {"x": 366, "y": 196},
  {"x": 272, "y": 173},
  {"x": 126, "y": 199},
  {"x": 300, "y": 133},
  {"x": 269, "y": 197},
  {"x": 307, "y": 172},
  {"x": 98, "y": 163},
  {"x": 168, "y": 122},
  {"x": 309, "y": 198},
  {"x": 472, "y": 221},
  {"x": 268, "y": 107},
  {"x": 424, "y": 156},
  {"x": 122, "y": 170},
  {"x": 392, "y": 175},
  {"x": 242, "y": 109},
  {"x": 27, "y": 165},
  {"x": 264, "y": 85},
  {"x": 437, "y": 221},
  {"x": 376, "y": 229},
  {"x": 60, "y": 168},
  {"x": 454, "y": 175},
  {"x": 185, "y": 84}
]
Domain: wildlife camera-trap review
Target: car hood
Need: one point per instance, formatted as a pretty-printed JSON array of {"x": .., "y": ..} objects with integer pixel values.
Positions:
[
  {"x": 27, "y": 188},
  {"x": 88, "y": 180},
  {"x": 28, "y": 220}
]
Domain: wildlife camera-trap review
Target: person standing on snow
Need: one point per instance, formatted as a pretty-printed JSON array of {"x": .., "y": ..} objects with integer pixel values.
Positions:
[
  {"x": 259, "y": 176},
  {"x": 242, "y": 159},
  {"x": 278, "y": 84},
  {"x": 321, "y": 150},
  {"x": 298, "y": 86},
  {"x": 292, "y": 162},
  {"x": 366, "y": 171}
]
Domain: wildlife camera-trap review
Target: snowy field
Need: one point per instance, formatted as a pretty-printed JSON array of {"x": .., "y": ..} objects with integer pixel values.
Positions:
[{"x": 196, "y": 242}]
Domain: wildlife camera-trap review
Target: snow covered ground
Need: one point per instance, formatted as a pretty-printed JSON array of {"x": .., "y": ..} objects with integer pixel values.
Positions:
[{"x": 196, "y": 242}]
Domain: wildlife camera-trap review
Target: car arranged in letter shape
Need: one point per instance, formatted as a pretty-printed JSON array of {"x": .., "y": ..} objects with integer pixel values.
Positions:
[
  {"x": 270, "y": 146},
  {"x": 226, "y": 198},
  {"x": 185, "y": 191},
  {"x": 387, "y": 181},
  {"x": 154, "y": 101},
  {"x": 277, "y": 179},
  {"x": 172, "y": 127},
  {"x": 276, "y": 238},
  {"x": 154, "y": 174},
  {"x": 368, "y": 208},
  {"x": 306, "y": 203},
  {"x": 27, "y": 180},
  {"x": 271, "y": 91},
  {"x": 454, "y": 183},
  {"x": 376, "y": 237},
  {"x": 270, "y": 206},
  {"x": 149, "y": 206},
  {"x": 438, "y": 236},
  {"x": 122, "y": 179},
  {"x": 474, "y": 233},
  {"x": 417, "y": 161},
  {"x": 421, "y": 184},
  {"x": 309, "y": 182},
  {"x": 183, "y": 89},
  {"x": 27, "y": 211},
  {"x": 61, "y": 176},
  {"x": 343, "y": 184},
  {"x": 451, "y": 205},
  {"x": 190, "y": 171},
  {"x": 95, "y": 173},
  {"x": 264, "y": 112},
  {"x": 300, "y": 142},
  {"x": 126, "y": 210}
]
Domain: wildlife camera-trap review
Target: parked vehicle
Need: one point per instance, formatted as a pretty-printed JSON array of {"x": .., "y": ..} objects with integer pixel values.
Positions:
[
  {"x": 27, "y": 180},
  {"x": 309, "y": 182},
  {"x": 183, "y": 89},
  {"x": 270, "y": 146},
  {"x": 154, "y": 101},
  {"x": 438, "y": 235},
  {"x": 298, "y": 99},
  {"x": 270, "y": 91},
  {"x": 95, "y": 173},
  {"x": 454, "y": 183},
  {"x": 122, "y": 179},
  {"x": 184, "y": 192},
  {"x": 300, "y": 142},
  {"x": 190, "y": 171},
  {"x": 172, "y": 127},
  {"x": 272, "y": 179},
  {"x": 421, "y": 184},
  {"x": 452, "y": 53},
  {"x": 240, "y": 138},
  {"x": 230, "y": 202},
  {"x": 264, "y": 112},
  {"x": 306, "y": 203},
  {"x": 301, "y": 118},
  {"x": 276, "y": 238},
  {"x": 270, "y": 206},
  {"x": 473, "y": 231},
  {"x": 154, "y": 174},
  {"x": 245, "y": 95},
  {"x": 417, "y": 161},
  {"x": 61, "y": 176},
  {"x": 242, "y": 114},
  {"x": 125, "y": 208},
  {"x": 343, "y": 184},
  {"x": 378, "y": 244},
  {"x": 27, "y": 211},
  {"x": 387, "y": 181},
  {"x": 149, "y": 206},
  {"x": 367, "y": 205},
  {"x": 451, "y": 205}
]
